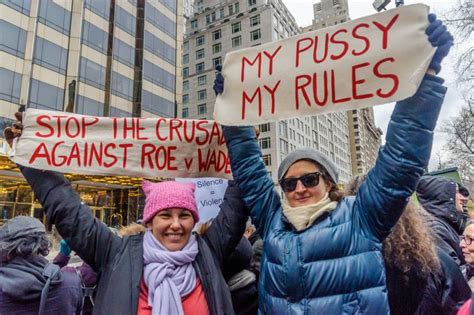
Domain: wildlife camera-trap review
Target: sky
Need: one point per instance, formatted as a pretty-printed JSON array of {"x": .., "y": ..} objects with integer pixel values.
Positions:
[{"x": 302, "y": 11}]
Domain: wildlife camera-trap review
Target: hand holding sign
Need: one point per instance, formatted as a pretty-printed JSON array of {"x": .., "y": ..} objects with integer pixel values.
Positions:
[{"x": 438, "y": 36}]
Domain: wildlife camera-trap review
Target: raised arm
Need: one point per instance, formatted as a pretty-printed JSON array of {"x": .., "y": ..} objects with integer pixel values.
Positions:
[
  {"x": 405, "y": 156},
  {"x": 85, "y": 234},
  {"x": 401, "y": 162},
  {"x": 228, "y": 227},
  {"x": 251, "y": 176}
]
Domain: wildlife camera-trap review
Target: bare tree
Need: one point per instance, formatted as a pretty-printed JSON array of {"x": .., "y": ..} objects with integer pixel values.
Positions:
[
  {"x": 460, "y": 131},
  {"x": 461, "y": 19}
]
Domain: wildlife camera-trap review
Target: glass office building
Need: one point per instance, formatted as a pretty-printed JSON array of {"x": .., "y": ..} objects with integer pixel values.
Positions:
[{"x": 93, "y": 57}]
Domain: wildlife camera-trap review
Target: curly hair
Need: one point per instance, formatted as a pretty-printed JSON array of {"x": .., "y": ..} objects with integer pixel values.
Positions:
[
  {"x": 26, "y": 246},
  {"x": 411, "y": 242}
]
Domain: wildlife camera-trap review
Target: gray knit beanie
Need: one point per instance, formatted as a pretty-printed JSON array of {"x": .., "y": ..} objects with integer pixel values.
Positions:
[
  {"x": 20, "y": 226},
  {"x": 308, "y": 154}
]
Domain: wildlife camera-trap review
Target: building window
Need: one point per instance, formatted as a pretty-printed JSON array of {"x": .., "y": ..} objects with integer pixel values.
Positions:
[
  {"x": 264, "y": 127},
  {"x": 216, "y": 61},
  {"x": 92, "y": 73},
  {"x": 194, "y": 24},
  {"x": 200, "y": 67},
  {"x": 117, "y": 112},
  {"x": 157, "y": 105},
  {"x": 185, "y": 59},
  {"x": 186, "y": 46},
  {"x": 216, "y": 48},
  {"x": 13, "y": 39},
  {"x": 284, "y": 146},
  {"x": 200, "y": 53},
  {"x": 267, "y": 159},
  {"x": 101, "y": 8},
  {"x": 124, "y": 53},
  {"x": 202, "y": 109},
  {"x": 202, "y": 80},
  {"x": 54, "y": 16},
  {"x": 236, "y": 41},
  {"x": 125, "y": 20},
  {"x": 231, "y": 9},
  {"x": 264, "y": 143},
  {"x": 255, "y": 35},
  {"x": 22, "y": 6},
  {"x": 160, "y": 48},
  {"x": 216, "y": 35},
  {"x": 50, "y": 55},
  {"x": 159, "y": 76},
  {"x": 161, "y": 21},
  {"x": 255, "y": 20},
  {"x": 87, "y": 106},
  {"x": 221, "y": 13},
  {"x": 94, "y": 37},
  {"x": 252, "y": 2},
  {"x": 185, "y": 72},
  {"x": 10, "y": 87},
  {"x": 236, "y": 27},
  {"x": 236, "y": 7},
  {"x": 185, "y": 99},
  {"x": 185, "y": 86},
  {"x": 202, "y": 95},
  {"x": 45, "y": 96},
  {"x": 122, "y": 86},
  {"x": 200, "y": 40},
  {"x": 185, "y": 112}
]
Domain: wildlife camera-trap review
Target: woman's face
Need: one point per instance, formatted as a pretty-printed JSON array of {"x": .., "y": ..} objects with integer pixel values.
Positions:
[
  {"x": 467, "y": 244},
  {"x": 303, "y": 196},
  {"x": 172, "y": 227}
]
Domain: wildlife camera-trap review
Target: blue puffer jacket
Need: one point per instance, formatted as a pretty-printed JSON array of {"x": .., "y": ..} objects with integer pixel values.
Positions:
[{"x": 336, "y": 266}]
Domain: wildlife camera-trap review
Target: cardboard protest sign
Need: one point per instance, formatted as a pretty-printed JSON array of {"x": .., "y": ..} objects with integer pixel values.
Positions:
[
  {"x": 209, "y": 195},
  {"x": 373, "y": 60},
  {"x": 142, "y": 147}
]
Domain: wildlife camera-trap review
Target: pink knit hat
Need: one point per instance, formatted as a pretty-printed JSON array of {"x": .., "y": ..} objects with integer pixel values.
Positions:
[{"x": 166, "y": 195}]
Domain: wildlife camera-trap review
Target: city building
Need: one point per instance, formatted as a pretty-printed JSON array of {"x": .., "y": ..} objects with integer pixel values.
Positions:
[
  {"x": 94, "y": 57},
  {"x": 364, "y": 136},
  {"x": 218, "y": 27}
]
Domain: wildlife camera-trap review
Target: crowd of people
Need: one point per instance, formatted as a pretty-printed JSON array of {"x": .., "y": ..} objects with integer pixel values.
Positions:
[{"x": 312, "y": 249}]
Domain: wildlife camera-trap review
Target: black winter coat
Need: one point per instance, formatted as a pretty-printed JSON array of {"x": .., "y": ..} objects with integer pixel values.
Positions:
[
  {"x": 446, "y": 291},
  {"x": 438, "y": 196},
  {"x": 119, "y": 261}
]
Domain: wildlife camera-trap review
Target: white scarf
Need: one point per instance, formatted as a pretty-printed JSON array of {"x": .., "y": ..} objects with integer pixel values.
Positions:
[{"x": 304, "y": 216}]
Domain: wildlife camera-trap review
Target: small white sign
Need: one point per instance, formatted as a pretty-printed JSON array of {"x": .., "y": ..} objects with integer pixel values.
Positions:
[{"x": 209, "y": 195}]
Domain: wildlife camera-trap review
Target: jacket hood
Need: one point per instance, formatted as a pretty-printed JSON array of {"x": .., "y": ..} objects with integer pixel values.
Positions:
[
  {"x": 23, "y": 278},
  {"x": 438, "y": 196}
]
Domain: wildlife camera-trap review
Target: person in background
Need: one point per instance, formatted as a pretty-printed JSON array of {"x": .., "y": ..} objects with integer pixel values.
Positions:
[
  {"x": 29, "y": 284},
  {"x": 467, "y": 248},
  {"x": 420, "y": 278},
  {"x": 85, "y": 272},
  {"x": 441, "y": 198},
  {"x": 323, "y": 251}
]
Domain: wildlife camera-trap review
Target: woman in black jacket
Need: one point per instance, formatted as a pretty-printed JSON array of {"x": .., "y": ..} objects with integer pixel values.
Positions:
[
  {"x": 122, "y": 263},
  {"x": 421, "y": 278}
]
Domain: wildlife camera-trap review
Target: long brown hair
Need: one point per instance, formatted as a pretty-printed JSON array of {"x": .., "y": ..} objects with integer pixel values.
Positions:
[{"x": 411, "y": 242}]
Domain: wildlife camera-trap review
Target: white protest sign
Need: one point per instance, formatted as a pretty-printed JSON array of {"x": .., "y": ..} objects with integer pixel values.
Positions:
[
  {"x": 374, "y": 60},
  {"x": 209, "y": 195},
  {"x": 142, "y": 147}
]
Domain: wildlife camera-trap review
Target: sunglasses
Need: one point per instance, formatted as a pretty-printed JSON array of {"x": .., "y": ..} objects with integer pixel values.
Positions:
[{"x": 308, "y": 180}]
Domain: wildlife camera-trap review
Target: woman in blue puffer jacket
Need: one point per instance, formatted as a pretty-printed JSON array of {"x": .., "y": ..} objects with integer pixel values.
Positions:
[{"x": 322, "y": 252}]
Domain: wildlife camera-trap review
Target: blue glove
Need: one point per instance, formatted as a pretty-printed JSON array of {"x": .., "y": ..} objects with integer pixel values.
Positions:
[
  {"x": 439, "y": 37},
  {"x": 64, "y": 248},
  {"x": 219, "y": 81}
]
